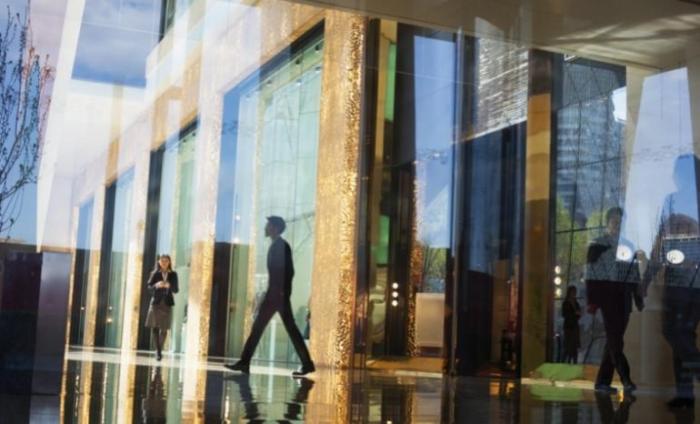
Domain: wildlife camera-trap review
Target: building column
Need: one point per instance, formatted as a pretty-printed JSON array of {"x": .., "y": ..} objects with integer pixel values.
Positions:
[
  {"x": 536, "y": 291},
  {"x": 335, "y": 257}
]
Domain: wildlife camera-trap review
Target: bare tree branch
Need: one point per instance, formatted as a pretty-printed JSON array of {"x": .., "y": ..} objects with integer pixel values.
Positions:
[{"x": 24, "y": 81}]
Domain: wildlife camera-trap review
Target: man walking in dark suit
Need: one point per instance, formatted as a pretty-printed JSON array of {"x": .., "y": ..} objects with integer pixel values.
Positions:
[
  {"x": 612, "y": 284},
  {"x": 280, "y": 268}
]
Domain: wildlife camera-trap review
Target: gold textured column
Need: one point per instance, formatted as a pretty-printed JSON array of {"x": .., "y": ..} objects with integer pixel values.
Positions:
[
  {"x": 108, "y": 172},
  {"x": 203, "y": 226},
  {"x": 330, "y": 399},
  {"x": 134, "y": 279},
  {"x": 75, "y": 213},
  {"x": 134, "y": 283},
  {"x": 416, "y": 273},
  {"x": 85, "y": 391},
  {"x": 94, "y": 267},
  {"x": 335, "y": 259},
  {"x": 536, "y": 288}
]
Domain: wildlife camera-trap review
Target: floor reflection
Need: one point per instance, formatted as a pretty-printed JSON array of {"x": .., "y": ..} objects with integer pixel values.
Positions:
[
  {"x": 154, "y": 403},
  {"x": 286, "y": 403},
  {"x": 608, "y": 413},
  {"x": 109, "y": 390}
]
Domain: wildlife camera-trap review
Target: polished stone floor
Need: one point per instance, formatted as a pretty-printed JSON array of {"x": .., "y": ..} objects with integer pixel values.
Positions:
[{"x": 109, "y": 387}]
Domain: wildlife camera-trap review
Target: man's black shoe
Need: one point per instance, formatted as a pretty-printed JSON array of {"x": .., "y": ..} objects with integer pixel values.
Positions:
[
  {"x": 605, "y": 389},
  {"x": 681, "y": 403},
  {"x": 304, "y": 370},
  {"x": 239, "y": 366},
  {"x": 629, "y": 388}
]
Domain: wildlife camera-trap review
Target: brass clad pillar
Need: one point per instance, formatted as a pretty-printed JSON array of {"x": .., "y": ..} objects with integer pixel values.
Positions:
[
  {"x": 536, "y": 286},
  {"x": 335, "y": 257}
]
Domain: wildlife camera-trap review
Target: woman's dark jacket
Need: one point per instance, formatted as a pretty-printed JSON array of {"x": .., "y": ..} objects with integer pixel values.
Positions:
[
  {"x": 163, "y": 295},
  {"x": 571, "y": 312}
]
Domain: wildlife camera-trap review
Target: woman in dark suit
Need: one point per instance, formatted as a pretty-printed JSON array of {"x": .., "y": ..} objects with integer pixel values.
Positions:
[
  {"x": 571, "y": 310},
  {"x": 163, "y": 284}
]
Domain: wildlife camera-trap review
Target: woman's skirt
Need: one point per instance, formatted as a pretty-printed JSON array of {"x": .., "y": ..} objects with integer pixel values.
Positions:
[
  {"x": 159, "y": 316},
  {"x": 572, "y": 341}
]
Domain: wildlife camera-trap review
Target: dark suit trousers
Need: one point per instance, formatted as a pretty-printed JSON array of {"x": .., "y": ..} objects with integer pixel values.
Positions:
[
  {"x": 276, "y": 303},
  {"x": 615, "y": 319},
  {"x": 681, "y": 316}
]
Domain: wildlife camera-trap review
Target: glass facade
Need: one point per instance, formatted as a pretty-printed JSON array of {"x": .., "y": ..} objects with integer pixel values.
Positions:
[
  {"x": 113, "y": 268},
  {"x": 270, "y": 140},
  {"x": 466, "y": 193},
  {"x": 410, "y": 197},
  {"x": 589, "y": 179},
  {"x": 175, "y": 220}
]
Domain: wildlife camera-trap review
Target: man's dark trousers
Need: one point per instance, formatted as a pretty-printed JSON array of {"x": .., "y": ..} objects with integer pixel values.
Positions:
[
  {"x": 615, "y": 306},
  {"x": 681, "y": 316},
  {"x": 276, "y": 302}
]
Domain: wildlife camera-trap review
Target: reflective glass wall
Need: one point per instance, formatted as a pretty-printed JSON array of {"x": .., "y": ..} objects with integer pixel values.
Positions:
[
  {"x": 590, "y": 141},
  {"x": 626, "y": 222},
  {"x": 269, "y": 157},
  {"x": 409, "y": 195},
  {"x": 114, "y": 261},
  {"x": 171, "y": 206},
  {"x": 444, "y": 200},
  {"x": 446, "y": 185}
]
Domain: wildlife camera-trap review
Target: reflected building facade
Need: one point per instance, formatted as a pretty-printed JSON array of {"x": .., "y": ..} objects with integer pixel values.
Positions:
[{"x": 440, "y": 186}]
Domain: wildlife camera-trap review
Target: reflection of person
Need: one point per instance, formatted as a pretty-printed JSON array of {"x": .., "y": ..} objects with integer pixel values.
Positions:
[
  {"x": 252, "y": 412},
  {"x": 612, "y": 282},
  {"x": 571, "y": 311},
  {"x": 294, "y": 405},
  {"x": 153, "y": 406},
  {"x": 677, "y": 251},
  {"x": 608, "y": 414},
  {"x": 280, "y": 268},
  {"x": 163, "y": 284},
  {"x": 294, "y": 408}
]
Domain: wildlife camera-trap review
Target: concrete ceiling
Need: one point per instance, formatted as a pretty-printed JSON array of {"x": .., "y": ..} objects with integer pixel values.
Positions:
[{"x": 658, "y": 34}]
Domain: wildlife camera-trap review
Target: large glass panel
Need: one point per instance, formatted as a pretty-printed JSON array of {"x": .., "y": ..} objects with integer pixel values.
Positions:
[
  {"x": 409, "y": 215},
  {"x": 492, "y": 193},
  {"x": 437, "y": 208},
  {"x": 626, "y": 224},
  {"x": 114, "y": 269},
  {"x": 174, "y": 235},
  {"x": 589, "y": 181},
  {"x": 492, "y": 196},
  {"x": 270, "y": 143}
]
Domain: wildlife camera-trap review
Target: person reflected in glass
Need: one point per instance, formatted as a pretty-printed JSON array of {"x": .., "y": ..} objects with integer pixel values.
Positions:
[
  {"x": 612, "y": 284},
  {"x": 676, "y": 252},
  {"x": 571, "y": 310},
  {"x": 153, "y": 406},
  {"x": 163, "y": 285},
  {"x": 280, "y": 267}
]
